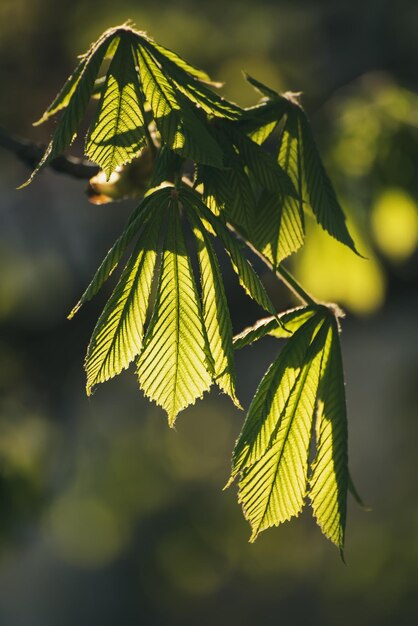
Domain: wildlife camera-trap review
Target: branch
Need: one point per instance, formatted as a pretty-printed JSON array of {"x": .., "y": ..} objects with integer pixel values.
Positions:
[{"x": 31, "y": 153}]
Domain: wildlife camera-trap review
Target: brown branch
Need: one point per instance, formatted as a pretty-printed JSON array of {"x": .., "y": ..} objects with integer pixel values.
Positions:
[{"x": 31, "y": 153}]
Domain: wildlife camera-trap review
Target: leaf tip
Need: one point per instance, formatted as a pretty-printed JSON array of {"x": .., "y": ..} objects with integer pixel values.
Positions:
[
  {"x": 26, "y": 183},
  {"x": 231, "y": 479}
]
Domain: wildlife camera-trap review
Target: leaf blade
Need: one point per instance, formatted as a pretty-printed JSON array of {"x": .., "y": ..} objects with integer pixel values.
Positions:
[
  {"x": 179, "y": 125},
  {"x": 247, "y": 276},
  {"x": 172, "y": 367},
  {"x": 113, "y": 256},
  {"x": 215, "y": 311},
  {"x": 272, "y": 451},
  {"x": 290, "y": 320},
  {"x": 329, "y": 479},
  {"x": 117, "y": 134},
  {"x": 117, "y": 336},
  {"x": 76, "y": 106}
]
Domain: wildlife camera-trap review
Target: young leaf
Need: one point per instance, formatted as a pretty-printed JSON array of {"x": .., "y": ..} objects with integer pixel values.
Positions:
[
  {"x": 75, "y": 99},
  {"x": 180, "y": 127},
  {"x": 138, "y": 218},
  {"x": 329, "y": 478},
  {"x": 273, "y": 448},
  {"x": 262, "y": 165},
  {"x": 260, "y": 87},
  {"x": 232, "y": 193},
  {"x": 117, "y": 337},
  {"x": 279, "y": 229},
  {"x": 318, "y": 188},
  {"x": 63, "y": 98},
  {"x": 215, "y": 311},
  {"x": 175, "y": 59},
  {"x": 290, "y": 320},
  {"x": 191, "y": 85},
  {"x": 258, "y": 122},
  {"x": 173, "y": 368},
  {"x": 248, "y": 278},
  {"x": 117, "y": 132}
]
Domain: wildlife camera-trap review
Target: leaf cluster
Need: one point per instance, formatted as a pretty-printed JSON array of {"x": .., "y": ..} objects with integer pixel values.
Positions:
[{"x": 245, "y": 177}]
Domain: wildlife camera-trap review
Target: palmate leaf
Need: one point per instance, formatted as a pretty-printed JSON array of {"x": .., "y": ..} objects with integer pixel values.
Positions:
[
  {"x": 179, "y": 124},
  {"x": 300, "y": 158},
  {"x": 290, "y": 321},
  {"x": 174, "y": 367},
  {"x": 215, "y": 311},
  {"x": 117, "y": 135},
  {"x": 272, "y": 452},
  {"x": 74, "y": 98},
  {"x": 117, "y": 337},
  {"x": 329, "y": 479},
  {"x": 137, "y": 220},
  {"x": 248, "y": 278}
]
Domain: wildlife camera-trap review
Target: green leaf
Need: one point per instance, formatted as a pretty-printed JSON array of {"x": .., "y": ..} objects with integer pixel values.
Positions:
[
  {"x": 75, "y": 98},
  {"x": 167, "y": 164},
  {"x": 117, "y": 337},
  {"x": 247, "y": 276},
  {"x": 63, "y": 98},
  {"x": 180, "y": 126},
  {"x": 175, "y": 59},
  {"x": 215, "y": 311},
  {"x": 273, "y": 449},
  {"x": 290, "y": 321},
  {"x": 279, "y": 229},
  {"x": 258, "y": 122},
  {"x": 262, "y": 165},
  {"x": 117, "y": 135},
  {"x": 191, "y": 85},
  {"x": 319, "y": 190},
  {"x": 137, "y": 220},
  {"x": 329, "y": 478},
  {"x": 173, "y": 368},
  {"x": 260, "y": 87},
  {"x": 232, "y": 193}
]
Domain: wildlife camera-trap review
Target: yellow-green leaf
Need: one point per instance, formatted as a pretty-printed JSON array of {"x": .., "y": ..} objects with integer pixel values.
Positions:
[
  {"x": 117, "y": 135},
  {"x": 215, "y": 311},
  {"x": 273, "y": 449},
  {"x": 174, "y": 368},
  {"x": 329, "y": 479},
  {"x": 117, "y": 337}
]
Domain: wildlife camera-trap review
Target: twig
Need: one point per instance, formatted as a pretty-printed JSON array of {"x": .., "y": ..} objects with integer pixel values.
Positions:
[{"x": 31, "y": 153}]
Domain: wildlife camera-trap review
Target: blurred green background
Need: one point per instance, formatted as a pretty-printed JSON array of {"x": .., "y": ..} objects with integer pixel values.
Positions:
[{"x": 106, "y": 515}]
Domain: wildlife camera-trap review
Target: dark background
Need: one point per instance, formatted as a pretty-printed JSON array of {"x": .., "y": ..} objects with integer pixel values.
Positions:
[{"x": 106, "y": 515}]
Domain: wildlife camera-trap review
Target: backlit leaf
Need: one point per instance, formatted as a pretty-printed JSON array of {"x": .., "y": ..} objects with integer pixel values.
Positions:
[
  {"x": 180, "y": 126},
  {"x": 116, "y": 135},
  {"x": 117, "y": 337},
  {"x": 174, "y": 368},
  {"x": 329, "y": 479},
  {"x": 112, "y": 258},
  {"x": 248, "y": 278},
  {"x": 290, "y": 322},
  {"x": 273, "y": 449},
  {"x": 215, "y": 311},
  {"x": 75, "y": 98}
]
